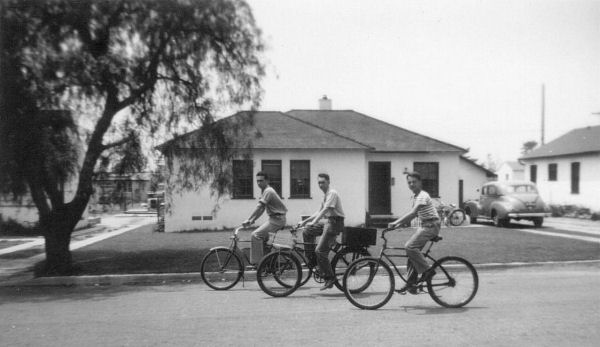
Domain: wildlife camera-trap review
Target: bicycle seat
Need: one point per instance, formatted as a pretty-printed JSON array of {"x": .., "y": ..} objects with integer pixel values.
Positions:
[{"x": 436, "y": 239}]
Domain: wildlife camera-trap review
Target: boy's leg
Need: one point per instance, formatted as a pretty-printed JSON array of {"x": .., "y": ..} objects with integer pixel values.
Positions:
[
  {"x": 259, "y": 237},
  {"x": 415, "y": 244},
  {"x": 309, "y": 235},
  {"x": 331, "y": 230}
]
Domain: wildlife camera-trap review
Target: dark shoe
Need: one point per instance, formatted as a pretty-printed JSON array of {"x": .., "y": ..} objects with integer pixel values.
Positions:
[
  {"x": 328, "y": 284},
  {"x": 408, "y": 288},
  {"x": 427, "y": 275}
]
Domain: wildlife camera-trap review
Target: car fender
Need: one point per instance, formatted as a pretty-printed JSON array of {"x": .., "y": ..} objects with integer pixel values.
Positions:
[
  {"x": 473, "y": 206},
  {"x": 500, "y": 209}
]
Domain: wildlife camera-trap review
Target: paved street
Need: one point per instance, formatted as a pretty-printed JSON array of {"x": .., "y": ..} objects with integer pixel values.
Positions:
[{"x": 540, "y": 306}]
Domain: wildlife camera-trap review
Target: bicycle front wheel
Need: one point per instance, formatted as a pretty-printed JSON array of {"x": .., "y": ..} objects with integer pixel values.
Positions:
[
  {"x": 306, "y": 270},
  {"x": 368, "y": 283},
  {"x": 279, "y": 274},
  {"x": 457, "y": 217},
  {"x": 342, "y": 260},
  {"x": 455, "y": 282},
  {"x": 221, "y": 269}
]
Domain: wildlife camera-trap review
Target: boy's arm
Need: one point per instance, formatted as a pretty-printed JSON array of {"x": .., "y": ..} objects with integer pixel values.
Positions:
[
  {"x": 258, "y": 211},
  {"x": 404, "y": 219}
]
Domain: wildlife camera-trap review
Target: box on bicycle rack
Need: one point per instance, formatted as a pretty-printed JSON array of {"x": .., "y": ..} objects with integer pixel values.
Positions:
[{"x": 354, "y": 237}]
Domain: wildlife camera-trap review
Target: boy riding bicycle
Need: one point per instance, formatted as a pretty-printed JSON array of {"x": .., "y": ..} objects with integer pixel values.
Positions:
[
  {"x": 269, "y": 201},
  {"x": 422, "y": 207}
]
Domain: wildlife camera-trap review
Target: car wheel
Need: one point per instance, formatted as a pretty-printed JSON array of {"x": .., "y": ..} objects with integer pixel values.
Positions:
[
  {"x": 538, "y": 222},
  {"x": 499, "y": 222}
]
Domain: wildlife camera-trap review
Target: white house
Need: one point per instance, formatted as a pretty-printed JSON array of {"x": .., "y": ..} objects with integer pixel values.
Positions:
[
  {"x": 567, "y": 170},
  {"x": 366, "y": 159},
  {"x": 511, "y": 171}
]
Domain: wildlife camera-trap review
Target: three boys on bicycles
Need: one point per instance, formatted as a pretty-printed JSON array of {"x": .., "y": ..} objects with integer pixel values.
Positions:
[{"x": 331, "y": 208}]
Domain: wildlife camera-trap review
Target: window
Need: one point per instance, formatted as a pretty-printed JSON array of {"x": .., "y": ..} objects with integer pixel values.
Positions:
[
  {"x": 552, "y": 168},
  {"x": 242, "y": 179},
  {"x": 575, "y": 178},
  {"x": 533, "y": 173},
  {"x": 492, "y": 190},
  {"x": 273, "y": 169},
  {"x": 430, "y": 177},
  {"x": 300, "y": 178}
]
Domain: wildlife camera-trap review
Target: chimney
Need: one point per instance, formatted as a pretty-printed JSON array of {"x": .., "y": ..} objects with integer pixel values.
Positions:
[{"x": 324, "y": 103}]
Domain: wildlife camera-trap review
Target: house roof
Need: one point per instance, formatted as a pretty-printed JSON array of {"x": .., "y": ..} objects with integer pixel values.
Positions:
[
  {"x": 272, "y": 129},
  {"x": 576, "y": 141},
  {"x": 488, "y": 173},
  {"x": 381, "y": 136},
  {"x": 515, "y": 165}
]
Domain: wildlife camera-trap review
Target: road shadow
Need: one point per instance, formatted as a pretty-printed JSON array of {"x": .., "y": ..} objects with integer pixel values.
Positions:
[
  {"x": 69, "y": 293},
  {"x": 435, "y": 310}
]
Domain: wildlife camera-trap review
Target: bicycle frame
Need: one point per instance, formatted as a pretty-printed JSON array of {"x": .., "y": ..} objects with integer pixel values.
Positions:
[{"x": 388, "y": 257}]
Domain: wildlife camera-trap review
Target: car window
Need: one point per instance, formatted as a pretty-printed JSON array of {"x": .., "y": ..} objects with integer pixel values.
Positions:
[
  {"x": 492, "y": 190},
  {"x": 521, "y": 188},
  {"x": 484, "y": 191}
]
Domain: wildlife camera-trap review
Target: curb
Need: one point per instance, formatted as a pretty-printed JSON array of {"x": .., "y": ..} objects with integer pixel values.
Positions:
[{"x": 194, "y": 277}]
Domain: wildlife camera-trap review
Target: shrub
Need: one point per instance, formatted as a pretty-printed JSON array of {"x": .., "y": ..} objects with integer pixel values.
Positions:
[
  {"x": 557, "y": 210},
  {"x": 11, "y": 227}
]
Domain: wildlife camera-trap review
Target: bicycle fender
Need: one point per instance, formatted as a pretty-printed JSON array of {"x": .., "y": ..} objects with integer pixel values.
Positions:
[
  {"x": 219, "y": 247},
  {"x": 282, "y": 247}
]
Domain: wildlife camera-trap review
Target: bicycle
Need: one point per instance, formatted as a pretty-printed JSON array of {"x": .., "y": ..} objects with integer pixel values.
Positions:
[
  {"x": 223, "y": 267},
  {"x": 369, "y": 283},
  {"x": 285, "y": 260},
  {"x": 450, "y": 215}
]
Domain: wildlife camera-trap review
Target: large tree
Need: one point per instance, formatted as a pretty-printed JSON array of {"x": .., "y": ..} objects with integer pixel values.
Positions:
[{"x": 75, "y": 75}]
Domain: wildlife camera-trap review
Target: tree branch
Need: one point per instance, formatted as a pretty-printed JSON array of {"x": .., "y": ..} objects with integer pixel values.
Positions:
[
  {"x": 37, "y": 194},
  {"x": 123, "y": 141},
  {"x": 150, "y": 73}
]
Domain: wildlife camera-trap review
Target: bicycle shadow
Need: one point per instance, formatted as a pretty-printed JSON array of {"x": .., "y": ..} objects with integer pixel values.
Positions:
[{"x": 435, "y": 310}]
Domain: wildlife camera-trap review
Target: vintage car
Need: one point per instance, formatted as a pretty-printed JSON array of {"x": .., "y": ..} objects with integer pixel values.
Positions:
[{"x": 503, "y": 201}]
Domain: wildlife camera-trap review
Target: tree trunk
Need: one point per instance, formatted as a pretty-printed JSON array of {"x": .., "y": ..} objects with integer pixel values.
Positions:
[{"x": 57, "y": 234}]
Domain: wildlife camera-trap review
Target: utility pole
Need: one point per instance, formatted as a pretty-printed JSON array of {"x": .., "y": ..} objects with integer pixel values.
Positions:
[{"x": 543, "y": 111}]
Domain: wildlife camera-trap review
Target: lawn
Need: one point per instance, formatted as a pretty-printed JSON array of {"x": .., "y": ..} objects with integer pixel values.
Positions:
[{"x": 145, "y": 251}]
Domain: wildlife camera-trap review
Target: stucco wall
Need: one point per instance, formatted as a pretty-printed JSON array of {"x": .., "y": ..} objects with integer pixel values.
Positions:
[
  {"x": 559, "y": 191},
  {"x": 25, "y": 211},
  {"x": 506, "y": 173},
  {"x": 473, "y": 178},
  {"x": 346, "y": 168},
  {"x": 448, "y": 176}
]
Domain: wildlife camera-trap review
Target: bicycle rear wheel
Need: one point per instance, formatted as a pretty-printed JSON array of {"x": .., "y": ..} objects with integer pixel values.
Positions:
[
  {"x": 368, "y": 283},
  {"x": 342, "y": 260},
  {"x": 455, "y": 282},
  {"x": 457, "y": 217},
  {"x": 221, "y": 269},
  {"x": 279, "y": 274}
]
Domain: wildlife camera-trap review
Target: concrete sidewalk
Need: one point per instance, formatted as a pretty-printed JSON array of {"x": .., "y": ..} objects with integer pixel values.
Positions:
[{"x": 574, "y": 224}]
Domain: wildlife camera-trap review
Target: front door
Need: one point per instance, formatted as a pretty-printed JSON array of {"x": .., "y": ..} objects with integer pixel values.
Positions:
[{"x": 380, "y": 187}]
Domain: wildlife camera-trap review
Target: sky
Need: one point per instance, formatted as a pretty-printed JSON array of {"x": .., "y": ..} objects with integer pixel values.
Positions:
[{"x": 469, "y": 73}]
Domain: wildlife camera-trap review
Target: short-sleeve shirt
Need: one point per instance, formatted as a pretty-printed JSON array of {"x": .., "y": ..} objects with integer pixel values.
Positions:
[
  {"x": 332, "y": 199},
  {"x": 425, "y": 209},
  {"x": 272, "y": 202}
]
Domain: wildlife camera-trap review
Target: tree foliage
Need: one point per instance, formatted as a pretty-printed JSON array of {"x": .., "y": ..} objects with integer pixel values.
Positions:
[
  {"x": 528, "y": 146},
  {"x": 126, "y": 68}
]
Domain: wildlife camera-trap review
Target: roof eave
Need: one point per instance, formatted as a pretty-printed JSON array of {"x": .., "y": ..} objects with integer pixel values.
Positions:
[{"x": 541, "y": 156}]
